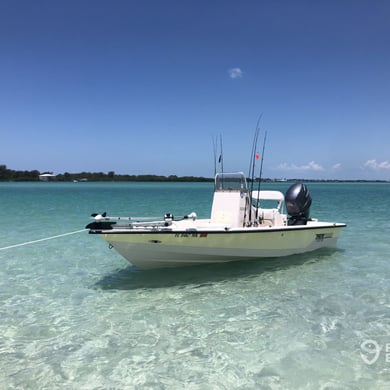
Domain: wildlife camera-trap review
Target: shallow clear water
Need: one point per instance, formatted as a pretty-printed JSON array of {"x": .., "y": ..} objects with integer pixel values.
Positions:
[{"x": 76, "y": 315}]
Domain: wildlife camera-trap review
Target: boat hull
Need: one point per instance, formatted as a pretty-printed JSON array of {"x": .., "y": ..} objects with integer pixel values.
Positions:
[{"x": 162, "y": 249}]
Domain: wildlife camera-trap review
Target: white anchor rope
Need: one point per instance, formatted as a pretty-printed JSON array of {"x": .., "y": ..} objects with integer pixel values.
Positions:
[{"x": 42, "y": 239}]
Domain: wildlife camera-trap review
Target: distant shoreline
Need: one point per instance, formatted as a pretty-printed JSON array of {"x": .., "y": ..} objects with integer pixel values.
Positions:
[{"x": 9, "y": 175}]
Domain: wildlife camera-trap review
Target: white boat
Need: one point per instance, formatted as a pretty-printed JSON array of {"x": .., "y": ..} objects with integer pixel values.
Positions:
[{"x": 239, "y": 228}]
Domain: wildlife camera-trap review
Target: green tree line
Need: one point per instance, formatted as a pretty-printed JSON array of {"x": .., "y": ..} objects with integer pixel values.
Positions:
[
  {"x": 112, "y": 176},
  {"x": 13, "y": 175}
]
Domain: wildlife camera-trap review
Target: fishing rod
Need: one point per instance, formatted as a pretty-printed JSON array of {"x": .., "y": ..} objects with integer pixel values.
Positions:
[
  {"x": 252, "y": 164},
  {"x": 254, "y": 147},
  {"x": 253, "y": 158},
  {"x": 251, "y": 172},
  {"x": 220, "y": 158},
  {"x": 260, "y": 174},
  {"x": 215, "y": 155},
  {"x": 221, "y": 155}
]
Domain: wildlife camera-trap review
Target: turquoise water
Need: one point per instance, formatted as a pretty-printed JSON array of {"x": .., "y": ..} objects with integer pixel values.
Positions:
[{"x": 75, "y": 315}]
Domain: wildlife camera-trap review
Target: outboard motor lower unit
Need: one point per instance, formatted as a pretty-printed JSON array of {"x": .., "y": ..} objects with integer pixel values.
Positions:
[{"x": 298, "y": 201}]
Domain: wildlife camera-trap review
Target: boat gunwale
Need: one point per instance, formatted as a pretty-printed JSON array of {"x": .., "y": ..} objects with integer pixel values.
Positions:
[{"x": 227, "y": 230}]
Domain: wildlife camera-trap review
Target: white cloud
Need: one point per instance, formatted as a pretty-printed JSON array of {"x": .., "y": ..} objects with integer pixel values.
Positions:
[
  {"x": 375, "y": 165},
  {"x": 336, "y": 166},
  {"x": 311, "y": 166},
  {"x": 235, "y": 73}
]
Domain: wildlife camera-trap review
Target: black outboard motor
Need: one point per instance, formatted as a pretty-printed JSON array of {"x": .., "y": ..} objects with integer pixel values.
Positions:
[{"x": 298, "y": 201}]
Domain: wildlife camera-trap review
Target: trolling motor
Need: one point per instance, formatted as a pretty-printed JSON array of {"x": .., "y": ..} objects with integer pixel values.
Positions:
[
  {"x": 101, "y": 222},
  {"x": 298, "y": 202}
]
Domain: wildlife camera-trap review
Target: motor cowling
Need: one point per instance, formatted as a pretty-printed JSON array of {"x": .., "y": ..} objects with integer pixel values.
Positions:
[{"x": 298, "y": 202}]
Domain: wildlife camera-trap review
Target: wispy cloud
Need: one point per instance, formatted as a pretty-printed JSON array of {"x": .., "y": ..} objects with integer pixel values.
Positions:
[
  {"x": 235, "y": 73},
  {"x": 336, "y": 166},
  {"x": 311, "y": 166},
  {"x": 376, "y": 165}
]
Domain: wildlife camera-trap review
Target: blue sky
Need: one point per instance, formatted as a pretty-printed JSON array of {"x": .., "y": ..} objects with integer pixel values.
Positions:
[{"x": 144, "y": 86}]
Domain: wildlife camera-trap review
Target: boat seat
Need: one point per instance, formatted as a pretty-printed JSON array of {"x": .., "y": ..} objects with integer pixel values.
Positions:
[{"x": 268, "y": 215}]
